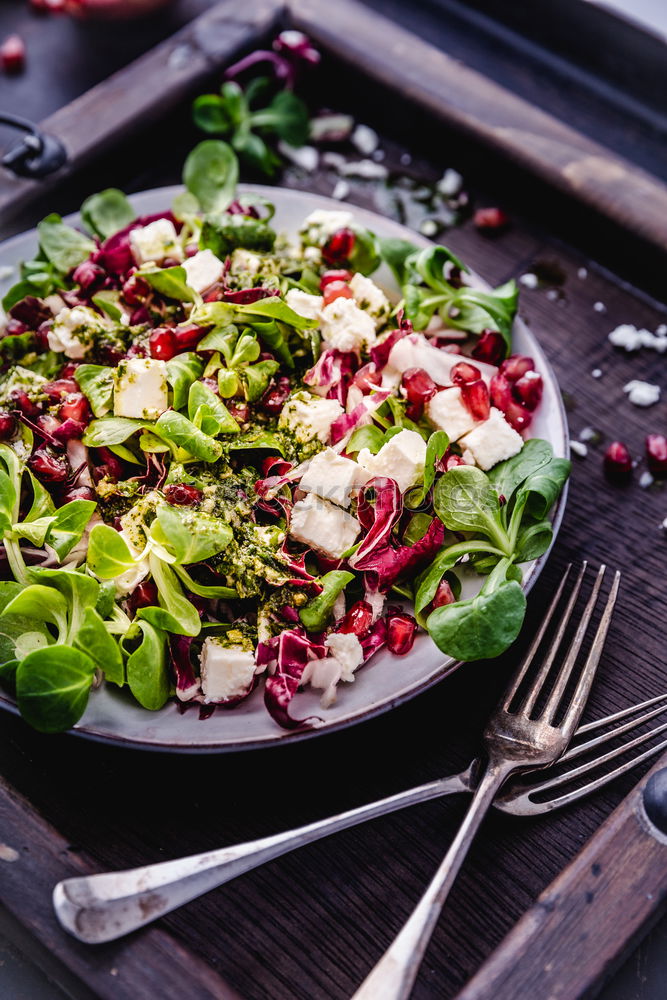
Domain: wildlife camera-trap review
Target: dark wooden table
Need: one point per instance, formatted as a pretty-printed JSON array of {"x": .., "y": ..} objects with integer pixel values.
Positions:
[{"x": 310, "y": 925}]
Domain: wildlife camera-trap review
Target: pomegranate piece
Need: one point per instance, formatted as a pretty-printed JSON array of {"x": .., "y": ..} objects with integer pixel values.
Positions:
[
  {"x": 516, "y": 366},
  {"x": 111, "y": 464},
  {"x": 68, "y": 370},
  {"x": 76, "y": 408},
  {"x": 14, "y": 327},
  {"x": 339, "y": 247},
  {"x": 69, "y": 430},
  {"x": 464, "y": 373},
  {"x": 489, "y": 220},
  {"x": 48, "y": 466},
  {"x": 358, "y": 619},
  {"x": 656, "y": 455},
  {"x": 187, "y": 337},
  {"x": 139, "y": 316},
  {"x": 162, "y": 344},
  {"x": 143, "y": 596},
  {"x": 182, "y": 495},
  {"x": 79, "y": 493},
  {"x": 330, "y": 276},
  {"x": 135, "y": 290},
  {"x": 617, "y": 463},
  {"x": 501, "y": 392},
  {"x": 452, "y": 461},
  {"x": 22, "y": 401},
  {"x": 443, "y": 595},
  {"x": 12, "y": 54},
  {"x": 528, "y": 390},
  {"x": 336, "y": 290},
  {"x": 275, "y": 396},
  {"x": 401, "y": 629},
  {"x": 7, "y": 425},
  {"x": 490, "y": 347},
  {"x": 418, "y": 387},
  {"x": 240, "y": 412},
  {"x": 475, "y": 397},
  {"x": 88, "y": 275},
  {"x": 60, "y": 388},
  {"x": 518, "y": 417},
  {"x": 367, "y": 378}
]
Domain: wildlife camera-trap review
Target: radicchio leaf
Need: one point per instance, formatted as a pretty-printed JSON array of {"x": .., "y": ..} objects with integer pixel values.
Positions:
[
  {"x": 383, "y": 566},
  {"x": 293, "y": 651},
  {"x": 187, "y": 682},
  {"x": 376, "y": 639},
  {"x": 115, "y": 254},
  {"x": 380, "y": 352},
  {"x": 331, "y": 373},
  {"x": 377, "y": 520},
  {"x": 244, "y": 296}
]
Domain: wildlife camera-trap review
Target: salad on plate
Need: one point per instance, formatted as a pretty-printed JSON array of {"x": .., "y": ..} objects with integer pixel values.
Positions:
[{"x": 230, "y": 459}]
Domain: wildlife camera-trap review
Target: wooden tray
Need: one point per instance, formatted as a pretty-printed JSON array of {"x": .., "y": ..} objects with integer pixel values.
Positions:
[{"x": 311, "y": 925}]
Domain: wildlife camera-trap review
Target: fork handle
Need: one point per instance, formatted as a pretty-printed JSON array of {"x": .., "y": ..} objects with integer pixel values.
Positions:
[
  {"x": 98, "y": 908},
  {"x": 394, "y": 975}
]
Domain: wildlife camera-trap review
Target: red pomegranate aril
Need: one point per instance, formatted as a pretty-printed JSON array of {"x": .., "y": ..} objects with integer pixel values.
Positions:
[
  {"x": 489, "y": 348},
  {"x": 276, "y": 396},
  {"x": 162, "y": 344},
  {"x": 48, "y": 466},
  {"x": 501, "y": 392},
  {"x": 139, "y": 316},
  {"x": 7, "y": 425},
  {"x": 516, "y": 367},
  {"x": 330, "y": 276},
  {"x": 240, "y": 411},
  {"x": 12, "y": 54},
  {"x": 47, "y": 423},
  {"x": 418, "y": 385},
  {"x": 358, "y": 619},
  {"x": 528, "y": 390},
  {"x": 452, "y": 461},
  {"x": 182, "y": 494},
  {"x": 88, "y": 275},
  {"x": 656, "y": 455},
  {"x": 135, "y": 290},
  {"x": 339, "y": 247},
  {"x": 490, "y": 219},
  {"x": 188, "y": 337},
  {"x": 617, "y": 463},
  {"x": 69, "y": 430},
  {"x": 79, "y": 493},
  {"x": 518, "y": 417},
  {"x": 60, "y": 388},
  {"x": 75, "y": 407},
  {"x": 14, "y": 327},
  {"x": 68, "y": 370},
  {"x": 464, "y": 373},
  {"x": 367, "y": 378},
  {"x": 113, "y": 464},
  {"x": 401, "y": 629},
  {"x": 336, "y": 290},
  {"x": 475, "y": 397},
  {"x": 144, "y": 595},
  {"x": 22, "y": 401},
  {"x": 443, "y": 595}
]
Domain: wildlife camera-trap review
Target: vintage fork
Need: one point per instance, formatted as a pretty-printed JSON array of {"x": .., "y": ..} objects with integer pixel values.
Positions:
[
  {"x": 105, "y": 906},
  {"x": 517, "y": 738}
]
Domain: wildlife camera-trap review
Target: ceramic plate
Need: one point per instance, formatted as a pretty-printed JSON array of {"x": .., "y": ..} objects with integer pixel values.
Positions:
[{"x": 112, "y": 716}]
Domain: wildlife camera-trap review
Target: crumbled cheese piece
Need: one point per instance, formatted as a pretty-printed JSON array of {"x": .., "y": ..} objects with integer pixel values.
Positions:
[
  {"x": 597, "y": 373},
  {"x": 664, "y": 525},
  {"x": 630, "y": 338},
  {"x": 140, "y": 389},
  {"x": 579, "y": 448},
  {"x": 446, "y": 412},
  {"x": 582, "y": 273},
  {"x": 367, "y": 169},
  {"x": 305, "y": 157},
  {"x": 202, "y": 270},
  {"x": 406, "y": 159},
  {"x": 428, "y": 227},
  {"x": 468, "y": 457},
  {"x": 304, "y": 304},
  {"x": 331, "y": 127},
  {"x": 341, "y": 190},
  {"x": 493, "y": 441},
  {"x": 74, "y": 331},
  {"x": 333, "y": 160},
  {"x": 321, "y": 224},
  {"x": 348, "y": 651},
  {"x": 226, "y": 671},
  {"x": 588, "y": 434},
  {"x": 365, "y": 139},
  {"x": 378, "y": 155},
  {"x": 529, "y": 280},
  {"x": 333, "y": 477},
  {"x": 6, "y": 271},
  {"x": 599, "y": 307},
  {"x": 25, "y": 379},
  {"x": 450, "y": 183},
  {"x": 401, "y": 459},
  {"x": 323, "y": 526},
  {"x": 323, "y": 674},
  {"x": 646, "y": 480},
  {"x": 244, "y": 262},
  {"x": 346, "y": 327},
  {"x": 55, "y": 303},
  {"x": 309, "y": 416},
  {"x": 155, "y": 242},
  {"x": 642, "y": 393},
  {"x": 370, "y": 297}
]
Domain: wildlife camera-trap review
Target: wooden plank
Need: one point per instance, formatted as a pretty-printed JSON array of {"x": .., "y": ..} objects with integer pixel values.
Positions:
[
  {"x": 589, "y": 918},
  {"x": 33, "y": 857}
]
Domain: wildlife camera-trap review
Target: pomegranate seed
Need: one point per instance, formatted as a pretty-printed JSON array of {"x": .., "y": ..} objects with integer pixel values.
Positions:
[
  {"x": 329, "y": 276},
  {"x": 143, "y": 596},
  {"x": 617, "y": 463},
  {"x": 215, "y": 295},
  {"x": 47, "y": 423},
  {"x": 42, "y": 335},
  {"x": 75, "y": 407},
  {"x": 443, "y": 595},
  {"x": 452, "y": 461},
  {"x": 528, "y": 390},
  {"x": 418, "y": 387},
  {"x": 139, "y": 316},
  {"x": 518, "y": 417},
  {"x": 501, "y": 392},
  {"x": 135, "y": 351},
  {"x": 7, "y": 425},
  {"x": 275, "y": 396},
  {"x": 69, "y": 369},
  {"x": 88, "y": 275},
  {"x": 358, "y": 619},
  {"x": 367, "y": 378},
  {"x": 401, "y": 629},
  {"x": 60, "y": 388},
  {"x": 12, "y": 54},
  {"x": 23, "y": 402},
  {"x": 656, "y": 454},
  {"x": 162, "y": 344},
  {"x": 339, "y": 247},
  {"x": 182, "y": 495},
  {"x": 336, "y": 290},
  {"x": 135, "y": 290},
  {"x": 516, "y": 367},
  {"x": 490, "y": 347},
  {"x": 191, "y": 249},
  {"x": 475, "y": 397},
  {"x": 463, "y": 373},
  {"x": 79, "y": 493},
  {"x": 112, "y": 464},
  {"x": 240, "y": 412},
  {"x": 490, "y": 219},
  {"x": 48, "y": 466},
  {"x": 188, "y": 337},
  {"x": 14, "y": 328},
  {"x": 69, "y": 430}
]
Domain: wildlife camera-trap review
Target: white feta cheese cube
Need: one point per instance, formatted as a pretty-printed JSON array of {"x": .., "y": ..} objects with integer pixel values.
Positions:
[
  {"x": 348, "y": 651},
  {"x": 304, "y": 304},
  {"x": 140, "y": 389},
  {"x": 346, "y": 327},
  {"x": 401, "y": 459},
  {"x": 309, "y": 416},
  {"x": 155, "y": 242},
  {"x": 333, "y": 477},
  {"x": 370, "y": 297},
  {"x": 226, "y": 671},
  {"x": 74, "y": 331},
  {"x": 446, "y": 412},
  {"x": 493, "y": 441},
  {"x": 323, "y": 526},
  {"x": 245, "y": 262},
  {"x": 321, "y": 224},
  {"x": 642, "y": 393},
  {"x": 202, "y": 270}
]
